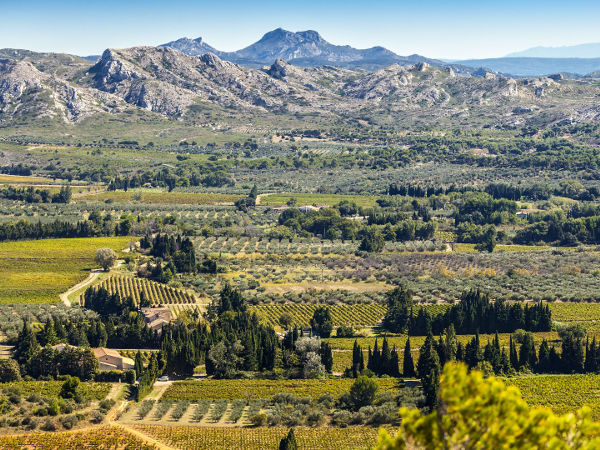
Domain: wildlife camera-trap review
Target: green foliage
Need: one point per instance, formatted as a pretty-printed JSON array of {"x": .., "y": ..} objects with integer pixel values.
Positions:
[
  {"x": 483, "y": 413},
  {"x": 362, "y": 392}
]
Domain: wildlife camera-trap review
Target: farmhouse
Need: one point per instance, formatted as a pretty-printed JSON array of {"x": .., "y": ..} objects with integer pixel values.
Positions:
[
  {"x": 156, "y": 318},
  {"x": 109, "y": 359}
]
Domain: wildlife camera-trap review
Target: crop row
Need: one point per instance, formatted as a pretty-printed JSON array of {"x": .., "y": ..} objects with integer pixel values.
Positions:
[
  {"x": 305, "y": 246},
  {"x": 260, "y": 389},
  {"x": 106, "y": 437},
  {"x": 226, "y": 438},
  {"x": 355, "y": 315},
  {"x": 156, "y": 293}
]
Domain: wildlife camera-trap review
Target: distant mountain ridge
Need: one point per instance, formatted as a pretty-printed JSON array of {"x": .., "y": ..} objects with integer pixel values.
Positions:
[
  {"x": 526, "y": 67},
  {"x": 590, "y": 50},
  {"x": 306, "y": 49}
]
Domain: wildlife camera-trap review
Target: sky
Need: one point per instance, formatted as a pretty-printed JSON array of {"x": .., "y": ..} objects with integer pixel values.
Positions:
[{"x": 451, "y": 29}]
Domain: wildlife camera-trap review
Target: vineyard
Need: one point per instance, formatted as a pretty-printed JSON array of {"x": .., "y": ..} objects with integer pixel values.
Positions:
[
  {"x": 52, "y": 388},
  {"x": 156, "y": 293},
  {"x": 359, "y": 315},
  {"x": 562, "y": 393},
  {"x": 242, "y": 389},
  {"x": 226, "y": 438},
  {"x": 106, "y": 437},
  {"x": 38, "y": 271}
]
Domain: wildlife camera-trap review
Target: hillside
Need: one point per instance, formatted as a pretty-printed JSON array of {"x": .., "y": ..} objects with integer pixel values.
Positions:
[{"x": 178, "y": 86}]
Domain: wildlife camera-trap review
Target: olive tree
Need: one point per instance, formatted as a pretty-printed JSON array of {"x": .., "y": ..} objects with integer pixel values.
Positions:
[{"x": 105, "y": 257}]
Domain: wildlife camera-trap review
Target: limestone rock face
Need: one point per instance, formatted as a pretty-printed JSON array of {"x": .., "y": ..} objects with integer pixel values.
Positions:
[{"x": 161, "y": 80}]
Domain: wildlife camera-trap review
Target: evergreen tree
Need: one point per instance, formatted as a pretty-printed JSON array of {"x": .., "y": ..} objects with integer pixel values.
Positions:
[
  {"x": 394, "y": 364},
  {"x": 27, "y": 344},
  {"x": 385, "y": 367},
  {"x": 47, "y": 336},
  {"x": 527, "y": 356},
  {"x": 399, "y": 309},
  {"x": 289, "y": 441},
  {"x": 428, "y": 369},
  {"x": 513, "y": 355},
  {"x": 408, "y": 369},
  {"x": 139, "y": 364},
  {"x": 326, "y": 356},
  {"x": 544, "y": 365},
  {"x": 451, "y": 342}
]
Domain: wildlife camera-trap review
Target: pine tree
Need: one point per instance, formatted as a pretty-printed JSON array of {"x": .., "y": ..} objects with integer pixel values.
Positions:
[
  {"x": 47, "y": 336},
  {"x": 27, "y": 344}
]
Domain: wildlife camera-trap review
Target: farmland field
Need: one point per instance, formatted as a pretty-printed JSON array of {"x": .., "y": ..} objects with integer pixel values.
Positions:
[
  {"x": 98, "y": 391},
  {"x": 106, "y": 437},
  {"x": 351, "y": 438},
  {"x": 161, "y": 197},
  {"x": 38, "y": 271},
  {"x": 239, "y": 389},
  {"x": 561, "y": 393},
  {"x": 156, "y": 293},
  {"x": 316, "y": 199}
]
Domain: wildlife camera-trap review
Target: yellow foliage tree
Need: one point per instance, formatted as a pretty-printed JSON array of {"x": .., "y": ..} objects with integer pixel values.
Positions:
[{"x": 483, "y": 413}]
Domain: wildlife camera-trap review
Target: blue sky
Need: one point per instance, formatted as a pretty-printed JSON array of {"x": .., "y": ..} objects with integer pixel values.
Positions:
[{"x": 441, "y": 29}]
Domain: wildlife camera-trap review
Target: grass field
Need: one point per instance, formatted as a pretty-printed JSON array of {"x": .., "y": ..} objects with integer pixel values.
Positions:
[
  {"x": 221, "y": 438},
  {"x": 154, "y": 196},
  {"x": 241, "y": 389},
  {"x": 317, "y": 199},
  {"x": 38, "y": 271}
]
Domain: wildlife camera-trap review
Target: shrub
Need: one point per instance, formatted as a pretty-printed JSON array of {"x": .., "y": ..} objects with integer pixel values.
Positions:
[
  {"x": 68, "y": 422},
  {"x": 259, "y": 420},
  {"x": 49, "y": 425}
]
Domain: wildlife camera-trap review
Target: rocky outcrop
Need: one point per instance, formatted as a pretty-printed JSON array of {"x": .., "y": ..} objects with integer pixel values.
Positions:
[{"x": 167, "y": 82}]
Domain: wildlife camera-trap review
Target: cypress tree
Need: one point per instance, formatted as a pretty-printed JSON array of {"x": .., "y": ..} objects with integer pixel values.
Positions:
[
  {"x": 408, "y": 369},
  {"x": 544, "y": 358},
  {"x": 385, "y": 359},
  {"x": 394, "y": 364},
  {"x": 326, "y": 356},
  {"x": 428, "y": 369},
  {"x": 139, "y": 364}
]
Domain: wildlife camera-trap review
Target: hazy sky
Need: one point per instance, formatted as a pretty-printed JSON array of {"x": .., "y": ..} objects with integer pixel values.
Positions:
[{"x": 439, "y": 29}]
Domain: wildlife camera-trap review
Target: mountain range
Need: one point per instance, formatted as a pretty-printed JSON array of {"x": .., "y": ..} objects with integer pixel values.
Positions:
[
  {"x": 590, "y": 50},
  {"x": 160, "y": 82},
  {"x": 309, "y": 49},
  {"x": 306, "y": 49}
]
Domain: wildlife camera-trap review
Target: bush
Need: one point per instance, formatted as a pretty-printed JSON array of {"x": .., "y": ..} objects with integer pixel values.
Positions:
[
  {"x": 53, "y": 407},
  {"x": 106, "y": 404},
  {"x": 68, "y": 422},
  {"x": 97, "y": 417},
  {"x": 259, "y": 420},
  {"x": 49, "y": 425}
]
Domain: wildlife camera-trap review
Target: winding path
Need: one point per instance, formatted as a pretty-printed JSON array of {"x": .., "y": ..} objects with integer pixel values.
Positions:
[{"x": 64, "y": 297}]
